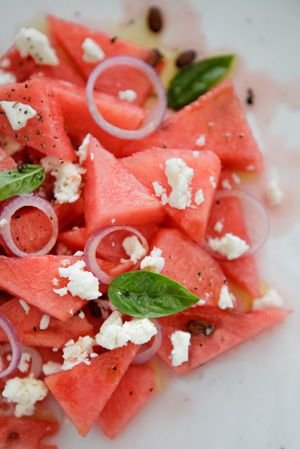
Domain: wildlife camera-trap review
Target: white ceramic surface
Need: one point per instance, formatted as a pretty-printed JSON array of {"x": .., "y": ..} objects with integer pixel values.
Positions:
[{"x": 248, "y": 398}]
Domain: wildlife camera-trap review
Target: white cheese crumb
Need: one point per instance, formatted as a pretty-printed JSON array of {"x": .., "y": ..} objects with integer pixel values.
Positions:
[
  {"x": 230, "y": 246},
  {"x": 154, "y": 262},
  {"x": 250, "y": 167},
  {"x": 270, "y": 299},
  {"x": 81, "y": 283},
  {"x": 199, "y": 197},
  {"x": 219, "y": 227},
  {"x": 82, "y": 150},
  {"x": 24, "y": 393},
  {"x": 5, "y": 63},
  {"x": 17, "y": 113},
  {"x": 159, "y": 190},
  {"x": 113, "y": 220},
  {"x": 133, "y": 248},
  {"x": 140, "y": 330},
  {"x": 200, "y": 142},
  {"x": 24, "y": 362},
  {"x": 93, "y": 355},
  {"x": 201, "y": 302},
  {"x": 65, "y": 262},
  {"x": 61, "y": 291},
  {"x": 7, "y": 77},
  {"x": 127, "y": 95},
  {"x": 79, "y": 253},
  {"x": 179, "y": 177},
  {"x": 77, "y": 352},
  {"x": 81, "y": 315},
  {"x": 31, "y": 42},
  {"x": 274, "y": 194},
  {"x": 196, "y": 153},
  {"x": 51, "y": 368},
  {"x": 44, "y": 323},
  {"x": 92, "y": 156},
  {"x": 226, "y": 299},
  {"x": 67, "y": 178},
  {"x": 92, "y": 52},
  {"x": 25, "y": 306},
  {"x": 212, "y": 181},
  {"x": 55, "y": 349},
  {"x": 180, "y": 353},
  {"x": 3, "y": 223},
  {"x": 226, "y": 184},
  {"x": 236, "y": 178}
]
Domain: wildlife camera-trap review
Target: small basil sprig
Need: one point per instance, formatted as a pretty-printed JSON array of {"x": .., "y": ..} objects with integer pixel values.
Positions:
[
  {"x": 144, "y": 294},
  {"x": 24, "y": 179},
  {"x": 196, "y": 79}
]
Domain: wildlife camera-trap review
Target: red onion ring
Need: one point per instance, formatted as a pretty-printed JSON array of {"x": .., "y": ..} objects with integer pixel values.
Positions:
[
  {"x": 36, "y": 361},
  {"x": 17, "y": 203},
  {"x": 147, "y": 354},
  {"x": 15, "y": 346},
  {"x": 155, "y": 116},
  {"x": 93, "y": 242},
  {"x": 258, "y": 233}
]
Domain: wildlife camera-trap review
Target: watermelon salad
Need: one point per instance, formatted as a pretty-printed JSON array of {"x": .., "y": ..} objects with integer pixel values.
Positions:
[{"x": 126, "y": 243}]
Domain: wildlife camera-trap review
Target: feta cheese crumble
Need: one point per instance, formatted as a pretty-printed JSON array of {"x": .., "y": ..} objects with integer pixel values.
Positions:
[
  {"x": 230, "y": 246},
  {"x": 51, "y": 368},
  {"x": 79, "y": 253},
  {"x": 179, "y": 177},
  {"x": 67, "y": 178},
  {"x": 270, "y": 299},
  {"x": 92, "y": 52},
  {"x": 81, "y": 315},
  {"x": 5, "y": 63},
  {"x": 226, "y": 299},
  {"x": 199, "y": 197},
  {"x": 133, "y": 248},
  {"x": 274, "y": 194},
  {"x": 77, "y": 352},
  {"x": 200, "y": 142},
  {"x": 25, "y": 306},
  {"x": 212, "y": 182},
  {"x": 180, "y": 352},
  {"x": 81, "y": 283},
  {"x": 196, "y": 153},
  {"x": 82, "y": 150},
  {"x": 154, "y": 262},
  {"x": 3, "y": 223},
  {"x": 7, "y": 77},
  {"x": 31, "y": 42},
  {"x": 17, "y": 113},
  {"x": 226, "y": 184},
  {"x": 44, "y": 323},
  {"x": 236, "y": 178},
  {"x": 24, "y": 393},
  {"x": 24, "y": 362},
  {"x": 219, "y": 227},
  {"x": 160, "y": 192},
  {"x": 127, "y": 95}
]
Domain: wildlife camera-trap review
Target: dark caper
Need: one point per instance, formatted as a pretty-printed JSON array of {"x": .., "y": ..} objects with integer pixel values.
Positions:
[
  {"x": 155, "y": 19},
  {"x": 198, "y": 327},
  {"x": 185, "y": 58}
]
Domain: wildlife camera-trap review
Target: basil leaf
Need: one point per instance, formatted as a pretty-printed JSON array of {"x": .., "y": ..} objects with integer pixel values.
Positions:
[
  {"x": 197, "y": 78},
  {"x": 24, "y": 179},
  {"x": 144, "y": 294}
]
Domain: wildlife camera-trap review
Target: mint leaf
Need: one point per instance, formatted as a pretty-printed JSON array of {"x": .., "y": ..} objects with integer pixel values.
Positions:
[
  {"x": 24, "y": 179},
  {"x": 144, "y": 294}
]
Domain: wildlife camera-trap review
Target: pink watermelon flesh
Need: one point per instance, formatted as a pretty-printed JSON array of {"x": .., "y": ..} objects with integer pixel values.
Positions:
[
  {"x": 130, "y": 396},
  {"x": 27, "y": 325},
  {"x": 44, "y": 132},
  {"x": 6, "y": 162},
  {"x": 148, "y": 166},
  {"x": 217, "y": 115},
  {"x": 242, "y": 271},
  {"x": 229, "y": 330},
  {"x": 113, "y": 195},
  {"x": 30, "y": 278},
  {"x": 22, "y": 68},
  {"x": 188, "y": 264},
  {"x": 71, "y": 36},
  {"x": 69, "y": 213},
  {"x": 84, "y": 390}
]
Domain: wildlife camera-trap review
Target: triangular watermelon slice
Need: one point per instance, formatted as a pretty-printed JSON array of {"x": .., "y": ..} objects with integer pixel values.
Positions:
[
  {"x": 113, "y": 195},
  {"x": 44, "y": 132},
  {"x": 135, "y": 388},
  {"x": 219, "y": 117},
  {"x": 25, "y": 433},
  {"x": 71, "y": 36},
  {"x": 148, "y": 167},
  {"x": 6, "y": 162},
  {"x": 27, "y": 325},
  {"x": 188, "y": 264},
  {"x": 243, "y": 271},
  {"x": 30, "y": 278},
  {"x": 84, "y": 390},
  {"x": 227, "y": 329}
]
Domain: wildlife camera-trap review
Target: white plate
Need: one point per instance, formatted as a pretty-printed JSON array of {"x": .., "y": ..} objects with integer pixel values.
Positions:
[{"x": 248, "y": 398}]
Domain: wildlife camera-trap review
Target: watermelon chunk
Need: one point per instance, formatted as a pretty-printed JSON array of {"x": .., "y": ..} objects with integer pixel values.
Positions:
[
  {"x": 22, "y": 68},
  {"x": 25, "y": 433},
  {"x": 242, "y": 271},
  {"x": 27, "y": 325},
  {"x": 130, "y": 396},
  {"x": 229, "y": 330},
  {"x": 71, "y": 36},
  {"x": 69, "y": 213},
  {"x": 44, "y": 132},
  {"x": 111, "y": 192},
  {"x": 217, "y": 115},
  {"x": 148, "y": 166},
  {"x": 188, "y": 264},
  {"x": 30, "y": 278},
  {"x": 84, "y": 390},
  {"x": 6, "y": 162}
]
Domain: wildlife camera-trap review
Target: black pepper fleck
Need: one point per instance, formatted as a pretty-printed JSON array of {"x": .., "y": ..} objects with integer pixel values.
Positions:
[{"x": 250, "y": 97}]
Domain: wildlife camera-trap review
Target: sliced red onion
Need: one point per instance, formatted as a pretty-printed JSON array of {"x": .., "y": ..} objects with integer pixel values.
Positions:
[
  {"x": 257, "y": 221},
  {"x": 11, "y": 207},
  {"x": 36, "y": 361},
  {"x": 144, "y": 355},
  {"x": 94, "y": 241},
  {"x": 156, "y": 115},
  {"x": 15, "y": 346}
]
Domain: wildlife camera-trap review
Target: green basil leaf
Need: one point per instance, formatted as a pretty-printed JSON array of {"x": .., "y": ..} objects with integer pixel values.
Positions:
[
  {"x": 24, "y": 179},
  {"x": 196, "y": 79},
  {"x": 144, "y": 294}
]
